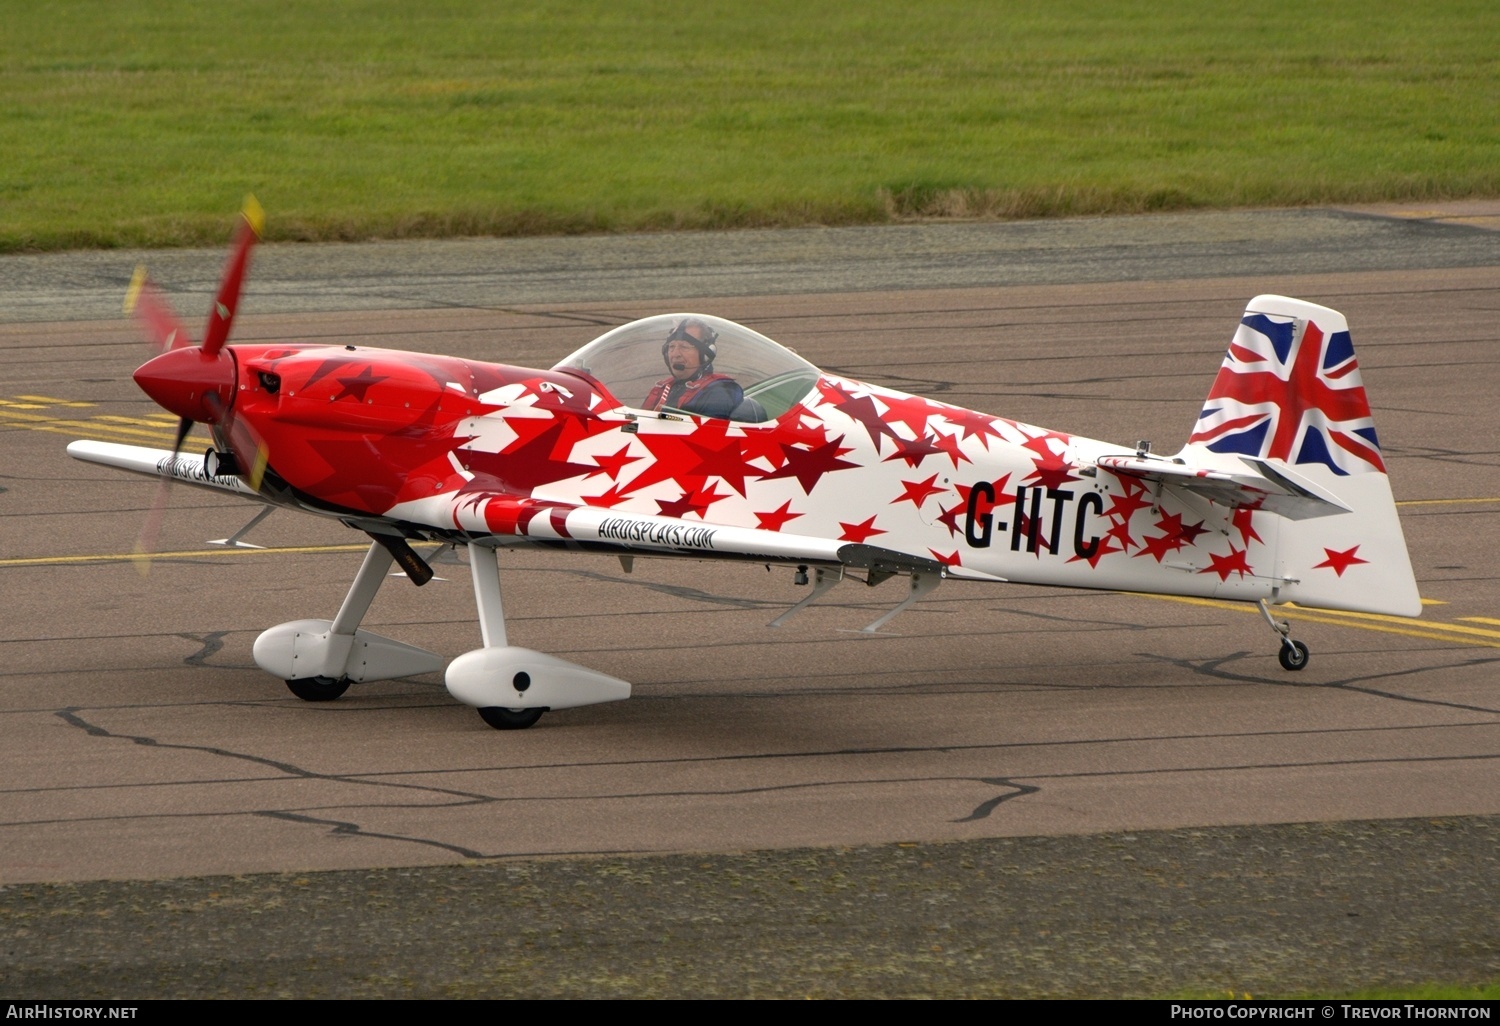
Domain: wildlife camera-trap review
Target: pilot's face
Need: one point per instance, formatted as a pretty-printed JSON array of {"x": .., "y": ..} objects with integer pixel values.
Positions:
[{"x": 683, "y": 359}]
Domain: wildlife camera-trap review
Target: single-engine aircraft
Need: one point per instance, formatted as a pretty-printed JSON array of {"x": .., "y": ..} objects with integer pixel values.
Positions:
[{"x": 688, "y": 435}]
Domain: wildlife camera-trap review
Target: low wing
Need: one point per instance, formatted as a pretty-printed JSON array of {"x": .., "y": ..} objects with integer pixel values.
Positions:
[
  {"x": 1257, "y": 483},
  {"x": 158, "y": 463},
  {"x": 538, "y": 521},
  {"x": 526, "y": 520}
]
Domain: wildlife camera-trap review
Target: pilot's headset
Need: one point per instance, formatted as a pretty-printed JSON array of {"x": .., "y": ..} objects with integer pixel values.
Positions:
[{"x": 707, "y": 346}]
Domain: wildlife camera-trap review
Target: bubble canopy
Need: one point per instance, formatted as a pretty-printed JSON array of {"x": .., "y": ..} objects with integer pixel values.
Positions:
[{"x": 628, "y": 362}]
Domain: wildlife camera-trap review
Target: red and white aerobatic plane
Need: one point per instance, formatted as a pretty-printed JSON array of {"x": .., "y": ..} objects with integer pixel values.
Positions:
[{"x": 689, "y": 435}]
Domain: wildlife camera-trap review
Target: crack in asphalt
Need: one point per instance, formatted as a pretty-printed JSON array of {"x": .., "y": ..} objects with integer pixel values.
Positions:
[
  {"x": 983, "y": 810},
  {"x": 346, "y": 829},
  {"x": 70, "y": 716},
  {"x": 1211, "y": 668},
  {"x": 211, "y": 643}
]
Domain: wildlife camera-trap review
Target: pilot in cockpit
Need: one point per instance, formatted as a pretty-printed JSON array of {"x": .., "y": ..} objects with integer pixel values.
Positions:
[{"x": 694, "y": 387}]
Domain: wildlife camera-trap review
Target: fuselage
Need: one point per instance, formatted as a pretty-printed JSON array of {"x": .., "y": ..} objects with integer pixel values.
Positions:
[{"x": 457, "y": 445}]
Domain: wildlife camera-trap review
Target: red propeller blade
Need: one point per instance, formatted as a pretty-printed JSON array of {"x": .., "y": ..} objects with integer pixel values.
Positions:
[
  {"x": 252, "y": 220},
  {"x": 163, "y": 330},
  {"x": 145, "y": 545},
  {"x": 249, "y": 448}
]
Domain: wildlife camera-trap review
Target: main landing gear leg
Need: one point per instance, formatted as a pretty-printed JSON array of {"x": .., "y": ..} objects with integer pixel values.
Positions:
[
  {"x": 512, "y": 686},
  {"x": 350, "y": 615},
  {"x": 1293, "y": 654},
  {"x": 319, "y": 658},
  {"x": 485, "y": 569}
]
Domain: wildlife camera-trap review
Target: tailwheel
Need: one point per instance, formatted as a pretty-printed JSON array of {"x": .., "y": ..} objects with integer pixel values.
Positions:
[
  {"x": 1293, "y": 654},
  {"x": 318, "y": 689},
  {"x": 510, "y": 719}
]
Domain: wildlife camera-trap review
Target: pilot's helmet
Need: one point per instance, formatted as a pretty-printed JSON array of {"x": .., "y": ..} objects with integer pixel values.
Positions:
[{"x": 703, "y": 338}]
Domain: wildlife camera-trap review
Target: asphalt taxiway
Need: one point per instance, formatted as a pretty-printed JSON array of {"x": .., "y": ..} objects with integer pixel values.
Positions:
[{"x": 140, "y": 743}]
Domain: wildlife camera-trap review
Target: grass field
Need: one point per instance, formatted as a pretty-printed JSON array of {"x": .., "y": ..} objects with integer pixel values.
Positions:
[{"x": 133, "y": 123}]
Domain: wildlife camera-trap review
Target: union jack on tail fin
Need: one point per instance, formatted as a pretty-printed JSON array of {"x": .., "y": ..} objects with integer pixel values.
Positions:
[
  {"x": 1289, "y": 397},
  {"x": 1290, "y": 390}
]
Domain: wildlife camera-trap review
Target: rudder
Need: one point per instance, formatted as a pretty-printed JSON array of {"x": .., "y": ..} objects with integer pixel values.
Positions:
[{"x": 1289, "y": 393}]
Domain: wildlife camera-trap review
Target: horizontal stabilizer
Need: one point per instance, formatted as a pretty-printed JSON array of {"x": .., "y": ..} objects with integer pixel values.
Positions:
[{"x": 1259, "y": 484}]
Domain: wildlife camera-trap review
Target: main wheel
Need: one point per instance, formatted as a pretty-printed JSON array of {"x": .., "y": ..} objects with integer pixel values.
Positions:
[
  {"x": 510, "y": 719},
  {"x": 318, "y": 689},
  {"x": 1293, "y": 655}
]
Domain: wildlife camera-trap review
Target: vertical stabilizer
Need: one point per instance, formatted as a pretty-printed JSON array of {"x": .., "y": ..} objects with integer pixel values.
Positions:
[{"x": 1289, "y": 393}]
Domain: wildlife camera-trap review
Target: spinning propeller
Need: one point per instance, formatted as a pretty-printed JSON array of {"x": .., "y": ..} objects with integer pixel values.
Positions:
[{"x": 196, "y": 382}]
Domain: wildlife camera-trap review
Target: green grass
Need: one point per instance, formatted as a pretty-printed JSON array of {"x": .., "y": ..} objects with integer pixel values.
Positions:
[
  {"x": 1421, "y": 992},
  {"x": 133, "y": 123}
]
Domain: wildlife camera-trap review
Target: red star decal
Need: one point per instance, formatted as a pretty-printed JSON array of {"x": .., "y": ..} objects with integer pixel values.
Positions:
[
  {"x": 1340, "y": 561},
  {"x": 950, "y": 444},
  {"x": 1051, "y": 471},
  {"x": 613, "y": 497},
  {"x": 357, "y": 386},
  {"x": 949, "y": 517},
  {"x": 321, "y": 371},
  {"x": 834, "y": 391},
  {"x": 777, "y": 518},
  {"x": 1051, "y": 475},
  {"x": 1234, "y": 563},
  {"x": 612, "y": 465},
  {"x": 913, "y": 411},
  {"x": 1125, "y": 505},
  {"x": 1243, "y": 523},
  {"x": 917, "y": 491},
  {"x": 913, "y": 452},
  {"x": 538, "y": 456},
  {"x": 1042, "y": 445},
  {"x": 722, "y": 457},
  {"x": 1170, "y": 524},
  {"x": 1174, "y": 536},
  {"x": 763, "y": 444},
  {"x": 808, "y": 465},
  {"x": 949, "y": 560},
  {"x": 860, "y": 532},
  {"x": 974, "y": 424},
  {"x": 1158, "y": 546},
  {"x": 698, "y": 502},
  {"x": 1121, "y": 533},
  {"x": 674, "y": 460},
  {"x": 866, "y": 414},
  {"x": 1191, "y": 532}
]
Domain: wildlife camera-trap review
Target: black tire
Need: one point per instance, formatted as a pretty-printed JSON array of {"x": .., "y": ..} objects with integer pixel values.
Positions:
[
  {"x": 510, "y": 719},
  {"x": 1293, "y": 655},
  {"x": 318, "y": 689}
]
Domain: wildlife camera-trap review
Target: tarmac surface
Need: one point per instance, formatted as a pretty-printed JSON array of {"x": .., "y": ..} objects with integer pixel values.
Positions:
[{"x": 1028, "y": 732}]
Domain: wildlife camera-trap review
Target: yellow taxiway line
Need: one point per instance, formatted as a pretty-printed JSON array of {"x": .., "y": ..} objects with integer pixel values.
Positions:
[
  {"x": 131, "y": 557},
  {"x": 64, "y": 426},
  {"x": 1429, "y": 630},
  {"x": 1443, "y": 502},
  {"x": 53, "y": 401}
]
